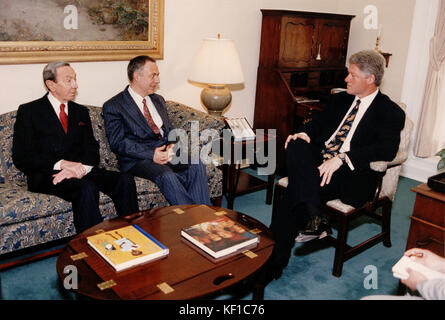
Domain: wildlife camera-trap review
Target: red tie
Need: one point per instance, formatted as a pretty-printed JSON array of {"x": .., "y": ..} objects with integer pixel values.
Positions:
[
  {"x": 63, "y": 117},
  {"x": 150, "y": 121}
]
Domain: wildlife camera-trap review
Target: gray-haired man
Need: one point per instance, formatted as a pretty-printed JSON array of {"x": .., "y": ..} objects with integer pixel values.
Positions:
[
  {"x": 55, "y": 148},
  {"x": 329, "y": 157}
]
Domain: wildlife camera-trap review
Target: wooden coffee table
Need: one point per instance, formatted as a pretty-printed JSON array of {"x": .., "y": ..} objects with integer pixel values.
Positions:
[{"x": 189, "y": 273}]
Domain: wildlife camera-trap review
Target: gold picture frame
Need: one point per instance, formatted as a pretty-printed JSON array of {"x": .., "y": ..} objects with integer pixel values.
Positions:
[{"x": 21, "y": 52}]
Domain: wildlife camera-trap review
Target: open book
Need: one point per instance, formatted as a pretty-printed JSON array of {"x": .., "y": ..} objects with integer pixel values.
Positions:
[
  {"x": 241, "y": 129},
  {"x": 400, "y": 269}
]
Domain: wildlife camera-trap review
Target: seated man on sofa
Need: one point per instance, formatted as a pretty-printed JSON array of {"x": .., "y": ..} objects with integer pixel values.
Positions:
[
  {"x": 137, "y": 128},
  {"x": 54, "y": 146}
]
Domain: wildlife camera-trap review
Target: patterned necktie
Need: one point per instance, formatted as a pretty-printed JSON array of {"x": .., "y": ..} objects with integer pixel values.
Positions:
[
  {"x": 150, "y": 121},
  {"x": 333, "y": 147},
  {"x": 63, "y": 117}
]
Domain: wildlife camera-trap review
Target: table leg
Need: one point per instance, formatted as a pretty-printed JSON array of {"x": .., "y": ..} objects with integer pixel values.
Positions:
[
  {"x": 258, "y": 292},
  {"x": 270, "y": 184}
]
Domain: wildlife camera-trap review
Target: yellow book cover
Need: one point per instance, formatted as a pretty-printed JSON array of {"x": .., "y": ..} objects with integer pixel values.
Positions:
[{"x": 126, "y": 247}]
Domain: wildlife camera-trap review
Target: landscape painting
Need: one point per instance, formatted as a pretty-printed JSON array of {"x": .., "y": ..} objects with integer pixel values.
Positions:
[{"x": 82, "y": 30}]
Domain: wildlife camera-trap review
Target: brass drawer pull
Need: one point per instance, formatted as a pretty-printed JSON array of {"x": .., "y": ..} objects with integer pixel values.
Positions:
[{"x": 426, "y": 242}]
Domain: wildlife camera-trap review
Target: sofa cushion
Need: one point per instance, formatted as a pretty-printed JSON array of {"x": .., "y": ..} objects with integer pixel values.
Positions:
[
  {"x": 19, "y": 204},
  {"x": 182, "y": 115},
  {"x": 107, "y": 158},
  {"x": 8, "y": 171}
]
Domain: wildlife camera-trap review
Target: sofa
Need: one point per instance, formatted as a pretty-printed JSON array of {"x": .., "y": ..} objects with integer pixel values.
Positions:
[{"x": 28, "y": 219}]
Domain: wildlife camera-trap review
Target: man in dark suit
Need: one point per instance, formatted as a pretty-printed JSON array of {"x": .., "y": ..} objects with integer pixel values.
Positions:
[
  {"x": 330, "y": 157},
  {"x": 54, "y": 146},
  {"x": 137, "y": 127}
]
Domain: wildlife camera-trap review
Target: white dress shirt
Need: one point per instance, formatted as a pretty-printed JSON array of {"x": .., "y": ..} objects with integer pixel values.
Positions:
[
  {"x": 365, "y": 102},
  {"x": 151, "y": 107},
  {"x": 56, "y": 106},
  {"x": 364, "y": 105}
]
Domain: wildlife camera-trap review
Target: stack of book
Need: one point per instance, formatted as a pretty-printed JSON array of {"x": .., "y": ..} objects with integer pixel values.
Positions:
[{"x": 220, "y": 238}]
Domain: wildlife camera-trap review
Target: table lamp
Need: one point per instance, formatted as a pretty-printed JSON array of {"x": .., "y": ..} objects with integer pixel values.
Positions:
[{"x": 216, "y": 65}]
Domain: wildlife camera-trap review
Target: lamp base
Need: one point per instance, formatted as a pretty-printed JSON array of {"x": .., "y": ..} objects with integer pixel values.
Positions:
[{"x": 216, "y": 98}]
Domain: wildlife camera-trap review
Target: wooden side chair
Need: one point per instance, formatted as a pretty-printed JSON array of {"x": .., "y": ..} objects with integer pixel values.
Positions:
[{"x": 383, "y": 198}]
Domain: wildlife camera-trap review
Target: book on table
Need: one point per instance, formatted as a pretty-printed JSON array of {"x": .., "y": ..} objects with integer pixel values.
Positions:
[
  {"x": 220, "y": 237},
  {"x": 400, "y": 269},
  {"x": 126, "y": 247},
  {"x": 302, "y": 99},
  {"x": 241, "y": 129}
]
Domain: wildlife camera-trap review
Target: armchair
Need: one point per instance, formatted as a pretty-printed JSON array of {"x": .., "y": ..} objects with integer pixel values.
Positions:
[{"x": 383, "y": 198}]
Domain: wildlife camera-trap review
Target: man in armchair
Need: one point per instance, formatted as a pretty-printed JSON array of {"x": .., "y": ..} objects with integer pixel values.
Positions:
[{"x": 329, "y": 158}]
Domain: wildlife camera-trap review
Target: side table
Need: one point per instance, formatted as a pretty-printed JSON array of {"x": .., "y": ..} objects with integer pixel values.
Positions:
[
  {"x": 427, "y": 229},
  {"x": 237, "y": 182}
]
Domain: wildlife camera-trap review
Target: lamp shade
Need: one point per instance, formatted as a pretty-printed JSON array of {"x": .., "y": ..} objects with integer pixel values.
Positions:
[{"x": 217, "y": 62}]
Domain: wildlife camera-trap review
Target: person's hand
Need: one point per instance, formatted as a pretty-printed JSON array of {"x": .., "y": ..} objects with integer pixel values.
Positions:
[
  {"x": 414, "y": 279},
  {"x": 296, "y": 136},
  {"x": 427, "y": 258},
  {"x": 171, "y": 152},
  {"x": 75, "y": 167},
  {"x": 327, "y": 169},
  {"x": 62, "y": 175},
  {"x": 69, "y": 170},
  {"x": 163, "y": 154}
]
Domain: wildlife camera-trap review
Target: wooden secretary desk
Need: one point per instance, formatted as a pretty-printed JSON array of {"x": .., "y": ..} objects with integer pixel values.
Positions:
[{"x": 302, "y": 54}]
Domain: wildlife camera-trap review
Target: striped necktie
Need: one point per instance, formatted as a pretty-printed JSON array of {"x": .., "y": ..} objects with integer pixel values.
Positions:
[{"x": 333, "y": 147}]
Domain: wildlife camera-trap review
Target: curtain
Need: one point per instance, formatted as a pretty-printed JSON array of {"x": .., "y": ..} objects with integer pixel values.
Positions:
[{"x": 430, "y": 136}]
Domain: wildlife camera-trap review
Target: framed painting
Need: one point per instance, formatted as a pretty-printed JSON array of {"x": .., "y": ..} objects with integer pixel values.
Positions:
[{"x": 39, "y": 31}]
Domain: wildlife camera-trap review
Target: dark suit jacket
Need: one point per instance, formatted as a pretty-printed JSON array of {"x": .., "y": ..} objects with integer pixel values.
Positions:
[
  {"x": 129, "y": 135},
  {"x": 39, "y": 140},
  {"x": 377, "y": 137}
]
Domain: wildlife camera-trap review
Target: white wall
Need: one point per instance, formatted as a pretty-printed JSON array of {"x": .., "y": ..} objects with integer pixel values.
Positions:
[
  {"x": 187, "y": 22},
  {"x": 395, "y": 17}
]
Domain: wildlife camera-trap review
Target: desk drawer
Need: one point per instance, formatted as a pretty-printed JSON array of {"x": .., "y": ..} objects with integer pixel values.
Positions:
[
  {"x": 429, "y": 209},
  {"x": 427, "y": 236}
]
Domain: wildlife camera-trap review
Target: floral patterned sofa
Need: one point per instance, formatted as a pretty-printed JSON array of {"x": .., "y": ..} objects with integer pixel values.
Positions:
[{"x": 28, "y": 219}]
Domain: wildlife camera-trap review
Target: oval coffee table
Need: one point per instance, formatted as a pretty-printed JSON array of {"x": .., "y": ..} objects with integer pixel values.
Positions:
[{"x": 184, "y": 274}]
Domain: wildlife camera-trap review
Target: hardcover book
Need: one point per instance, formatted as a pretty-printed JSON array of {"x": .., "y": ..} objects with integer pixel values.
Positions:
[
  {"x": 220, "y": 237},
  {"x": 127, "y": 247}
]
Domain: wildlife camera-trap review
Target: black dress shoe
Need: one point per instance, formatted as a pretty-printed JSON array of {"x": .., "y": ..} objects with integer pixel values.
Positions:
[{"x": 322, "y": 230}]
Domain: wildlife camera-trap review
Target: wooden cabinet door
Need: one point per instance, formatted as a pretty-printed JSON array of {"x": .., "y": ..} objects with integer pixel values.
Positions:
[
  {"x": 298, "y": 39},
  {"x": 332, "y": 43}
]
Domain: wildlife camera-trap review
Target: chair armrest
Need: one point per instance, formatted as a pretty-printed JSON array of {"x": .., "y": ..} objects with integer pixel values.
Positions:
[{"x": 382, "y": 166}]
